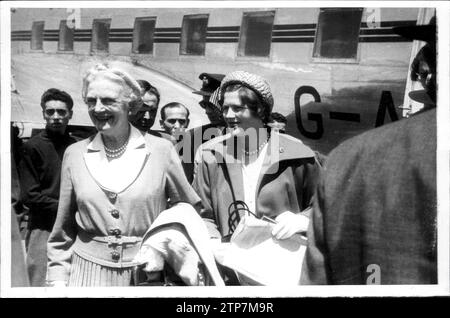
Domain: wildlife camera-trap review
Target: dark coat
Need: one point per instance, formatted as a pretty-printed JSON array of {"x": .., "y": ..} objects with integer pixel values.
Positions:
[
  {"x": 376, "y": 207},
  {"x": 192, "y": 140},
  {"x": 286, "y": 182},
  {"x": 39, "y": 171}
]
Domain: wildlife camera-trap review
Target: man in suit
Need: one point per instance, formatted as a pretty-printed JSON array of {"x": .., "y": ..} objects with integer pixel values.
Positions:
[
  {"x": 195, "y": 137},
  {"x": 374, "y": 217},
  {"x": 210, "y": 103},
  {"x": 210, "y": 83},
  {"x": 145, "y": 117}
]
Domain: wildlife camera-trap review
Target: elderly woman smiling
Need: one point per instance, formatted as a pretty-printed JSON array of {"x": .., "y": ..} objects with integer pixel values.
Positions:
[{"x": 113, "y": 185}]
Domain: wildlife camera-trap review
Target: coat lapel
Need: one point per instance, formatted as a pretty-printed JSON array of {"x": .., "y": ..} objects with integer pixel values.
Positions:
[
  {"x": 227, "y": 158},
  {"x": 234, "y": 167},
  {"x": 94, "y": 159},
  {"x": 281, "y": 148}
]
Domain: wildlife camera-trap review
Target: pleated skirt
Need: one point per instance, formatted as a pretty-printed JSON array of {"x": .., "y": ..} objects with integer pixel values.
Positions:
[{"x": 84, "y": 273}]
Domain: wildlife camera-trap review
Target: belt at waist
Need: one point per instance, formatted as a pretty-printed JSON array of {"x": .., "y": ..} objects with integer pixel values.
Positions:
[{"x": 110, "y": 251}]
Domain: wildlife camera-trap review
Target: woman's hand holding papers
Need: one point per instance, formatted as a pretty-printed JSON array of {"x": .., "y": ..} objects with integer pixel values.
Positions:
[{"x": 288, "y": 224}]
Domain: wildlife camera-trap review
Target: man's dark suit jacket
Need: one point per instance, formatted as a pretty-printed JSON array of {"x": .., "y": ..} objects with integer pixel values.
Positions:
[
  {"x": 196, "y": 137},
  {"x": 375, "y": 210}
]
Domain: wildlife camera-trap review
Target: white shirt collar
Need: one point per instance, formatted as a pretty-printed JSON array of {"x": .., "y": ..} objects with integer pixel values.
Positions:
[
  {"x": 136, "y": 140},
  {"x": 127, "y": 168}
]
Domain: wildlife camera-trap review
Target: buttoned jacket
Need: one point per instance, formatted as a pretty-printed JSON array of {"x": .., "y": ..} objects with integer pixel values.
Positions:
[{"x": 88, "y": 210}]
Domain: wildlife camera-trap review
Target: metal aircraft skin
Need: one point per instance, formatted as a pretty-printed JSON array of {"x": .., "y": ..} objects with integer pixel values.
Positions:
[{"x": 325, "y": 98}]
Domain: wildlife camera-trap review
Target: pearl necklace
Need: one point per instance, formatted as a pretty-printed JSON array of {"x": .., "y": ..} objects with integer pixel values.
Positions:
[
  {"x": 116, "y": 153},
  {"x": 254, "y": 152}
]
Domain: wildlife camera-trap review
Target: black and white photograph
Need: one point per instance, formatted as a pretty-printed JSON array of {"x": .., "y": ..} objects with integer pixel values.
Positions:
[{"x": 224, "y": 149}]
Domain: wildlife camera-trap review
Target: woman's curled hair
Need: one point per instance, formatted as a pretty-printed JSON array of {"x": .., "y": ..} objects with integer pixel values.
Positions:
[{"x": 134, "y": 91}]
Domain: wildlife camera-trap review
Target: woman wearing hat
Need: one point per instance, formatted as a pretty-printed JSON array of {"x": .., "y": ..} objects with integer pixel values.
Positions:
[
  {"x": 273, "y": 174},
  {"x": 113, "y": 185}
]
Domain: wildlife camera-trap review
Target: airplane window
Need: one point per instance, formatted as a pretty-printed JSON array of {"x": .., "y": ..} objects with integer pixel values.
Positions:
[
  {"x": 65, "y": 42},
  {"x": 193, "y": 34},
  {"x": 338, "y": 33},
  {"x": 143, "y": 33},
  {"x": 256, "y": 34},
  {"x": 37, "y": 35},
  {"x": 100, "y": 35}
]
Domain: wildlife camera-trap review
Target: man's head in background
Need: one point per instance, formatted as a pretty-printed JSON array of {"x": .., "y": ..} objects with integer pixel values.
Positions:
[
  {"x": 145, "y": 117},
  {"x": 277, "y": 122},
  {"x": 423, "y": 70},
  {"x": 56, "y": 109},
  {"x": 210, "y": 83},
  {"x": 174, "y": 119},
  {"x": 423, "y": 67}
]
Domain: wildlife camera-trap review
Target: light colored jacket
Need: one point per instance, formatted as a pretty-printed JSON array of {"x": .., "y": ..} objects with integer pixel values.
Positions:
[
  {"x": 97, "y": 214},
  {"x": 286, "y": 181}
]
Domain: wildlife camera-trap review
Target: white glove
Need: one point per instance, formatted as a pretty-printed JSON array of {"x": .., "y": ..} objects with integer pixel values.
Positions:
[{"x": 288, "y": 224}]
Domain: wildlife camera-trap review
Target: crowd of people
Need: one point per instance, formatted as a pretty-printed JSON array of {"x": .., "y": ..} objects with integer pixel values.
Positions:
[{"x": 372, "y": 202}]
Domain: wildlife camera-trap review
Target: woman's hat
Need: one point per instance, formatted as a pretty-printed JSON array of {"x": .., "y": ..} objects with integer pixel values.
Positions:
[{"x": 256, "y": 83}]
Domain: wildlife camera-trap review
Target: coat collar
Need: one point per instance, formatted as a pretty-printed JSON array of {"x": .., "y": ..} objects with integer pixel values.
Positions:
[
  {"x": 280, "y": 148},
  {"x": 49, "y": 135},
  {"x": 283, "y": 147}
]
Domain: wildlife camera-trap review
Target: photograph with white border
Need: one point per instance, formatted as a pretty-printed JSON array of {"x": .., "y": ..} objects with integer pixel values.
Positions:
[{"x": 224, "y": 149}]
